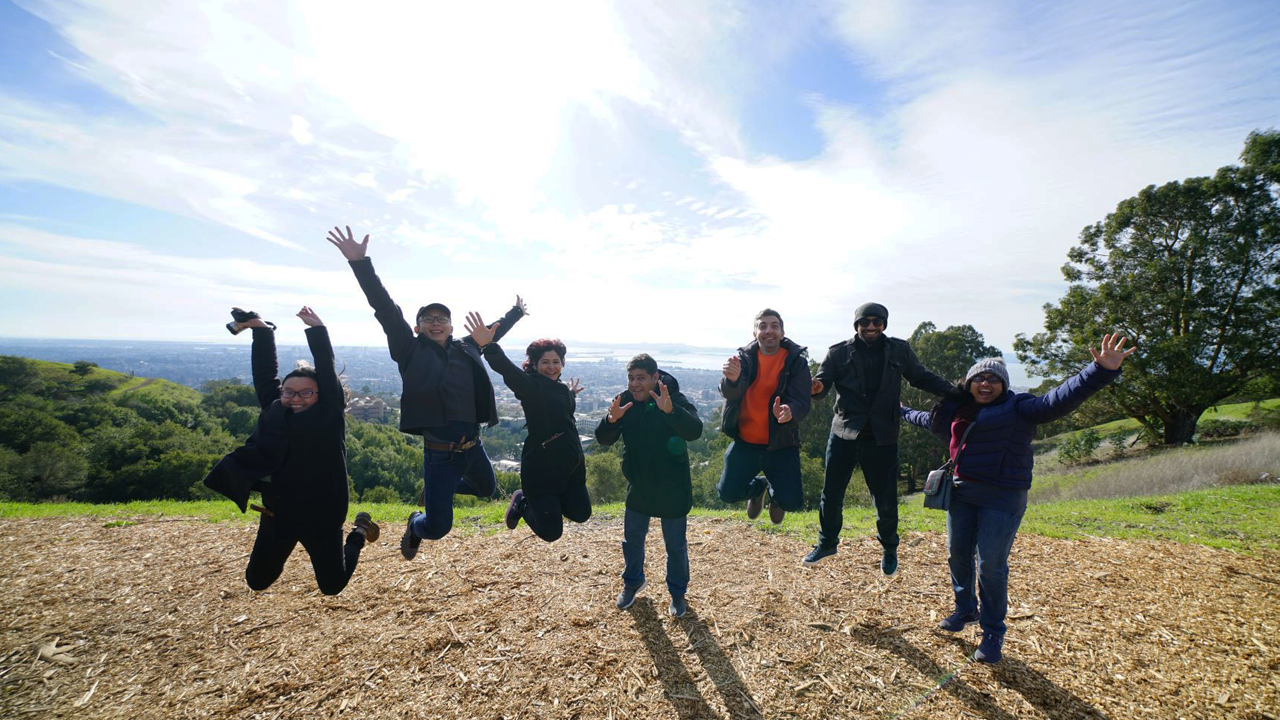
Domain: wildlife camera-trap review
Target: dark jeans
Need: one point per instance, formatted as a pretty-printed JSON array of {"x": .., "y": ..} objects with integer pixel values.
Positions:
[
  {"x": 445, "y": 474},
  {"x": 332, "y": 560},
  {"x": 744, "y": 460},
  {"x": 879, "y": 467},
  {"x": 635, "y": 527},
  {"x": 988, "y": 533},
  {"x": 545, "y": 513}
]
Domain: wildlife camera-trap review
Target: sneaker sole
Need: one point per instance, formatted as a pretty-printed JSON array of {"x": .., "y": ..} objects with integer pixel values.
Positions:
[
  {"x": 810, "y": 563},
  {"x": 643, "y": 585},
  {"x": 676, "y": 615},
  {"x": 959, "y": 629}
]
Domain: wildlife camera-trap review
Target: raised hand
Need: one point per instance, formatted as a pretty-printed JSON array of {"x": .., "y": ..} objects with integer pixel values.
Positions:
[
  {"x": 733, "y": 369},
  {"x": 616, "y": 411},
  {"x": 310, "y": 317},
  {"x": 481, "y": 333},
  {"x": 663, "y": 400},
  {"x": 254, "y": 323},
  {"x": 347, "y": 244},
  {"x": 520, "y": 304},
  {"x": 574, "y": 387},
  {"x": 781, "y": 413},
  {"x": 815, "y": 387},
  {"x": 1113, "y": 352}
]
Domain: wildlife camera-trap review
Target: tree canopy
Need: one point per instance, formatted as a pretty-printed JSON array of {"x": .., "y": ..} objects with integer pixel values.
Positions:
[{"x": 1188, "y": 270}]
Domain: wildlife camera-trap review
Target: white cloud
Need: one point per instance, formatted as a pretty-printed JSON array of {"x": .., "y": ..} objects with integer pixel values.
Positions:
[{"x": 300, "y": 129}]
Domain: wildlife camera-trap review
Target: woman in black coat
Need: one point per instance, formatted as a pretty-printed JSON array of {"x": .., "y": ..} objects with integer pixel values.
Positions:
[
  {"x": 553, "y": 476},
  {"x": 300, "y": 442}
]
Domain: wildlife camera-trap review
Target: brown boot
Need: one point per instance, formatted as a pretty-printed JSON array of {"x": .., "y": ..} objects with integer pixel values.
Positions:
[{"x": 367, "y": 527}]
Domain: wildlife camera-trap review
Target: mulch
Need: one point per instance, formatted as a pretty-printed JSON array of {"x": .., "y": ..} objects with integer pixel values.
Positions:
[{"x": 153, "y": 620}]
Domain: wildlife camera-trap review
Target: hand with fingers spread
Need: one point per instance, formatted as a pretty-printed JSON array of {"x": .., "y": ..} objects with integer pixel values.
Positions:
[
  {"x": 616, "y": 411},
  {"x": 481, "y": 333},
  {"x": 781, "y": 413},
  {"x": 351, "y": 250},
  {"x": 254, "y": 323},
  {"x": 310, "y": 317},
  {"x": 663, "y": 399},
  {"x": 520, "y": 304},
  {"x": 733, "y": 369},
  {"x": 574, "y": 387},
  {"x": 815, "y": 387},
  {"x": 1113, "y": 352}
]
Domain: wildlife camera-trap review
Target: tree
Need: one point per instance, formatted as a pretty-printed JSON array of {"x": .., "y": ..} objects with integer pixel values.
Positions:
[
  {"x": 17, "y": 376},
  {"x": 83, "y": 367},
  {"x": 1188, "y": 271},
  {"x": 605, "y": 481},
  {"x": 949, "y": 354}
]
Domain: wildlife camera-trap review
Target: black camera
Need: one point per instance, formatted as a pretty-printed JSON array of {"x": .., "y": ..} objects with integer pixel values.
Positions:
[{"x": 242, "y": 316}]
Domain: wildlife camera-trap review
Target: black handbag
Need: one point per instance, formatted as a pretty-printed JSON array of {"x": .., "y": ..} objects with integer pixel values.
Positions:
[{"x": 937, "y": 486}]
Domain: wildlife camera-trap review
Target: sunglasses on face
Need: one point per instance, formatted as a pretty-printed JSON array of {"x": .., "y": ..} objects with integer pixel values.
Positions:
[
  {"x": 864, "y": 322},
  {"x": 304, "y": 394},
  {"x": 987, "y": 380},
  {"x": 435, "y": 320}
]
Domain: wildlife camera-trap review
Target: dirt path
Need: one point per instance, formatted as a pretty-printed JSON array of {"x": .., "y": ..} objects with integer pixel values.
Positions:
[{"x": 161, "y": 625}]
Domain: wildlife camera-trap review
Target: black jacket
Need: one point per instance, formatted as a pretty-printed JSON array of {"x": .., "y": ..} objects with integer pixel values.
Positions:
[
  {"x": 793, "y": 387},
  {"x": 422, "y": 361},
  {"x": 842, "y": 370},
  {"x": 304, "y": 453},
  {"x": 552, "y": 455},
  {"x": 655, "y": 459}
]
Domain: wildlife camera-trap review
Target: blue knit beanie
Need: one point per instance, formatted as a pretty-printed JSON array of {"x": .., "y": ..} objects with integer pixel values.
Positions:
[{"x": 995, "y": 366}]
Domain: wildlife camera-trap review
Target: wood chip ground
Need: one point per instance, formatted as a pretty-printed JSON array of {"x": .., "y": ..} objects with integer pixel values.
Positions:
[{"x": 154, "y": 620}]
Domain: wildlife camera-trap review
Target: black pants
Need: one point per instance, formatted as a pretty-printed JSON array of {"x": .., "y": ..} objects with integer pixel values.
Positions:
[
  {"x": 545, "y": 513},
  {"x": 332, "y": 560},
  {"x": 879, "y": 467}
]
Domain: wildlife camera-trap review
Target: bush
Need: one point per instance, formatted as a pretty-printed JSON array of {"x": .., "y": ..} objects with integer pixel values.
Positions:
[
  {"x": 380, "y": 494},
  {"x": 1267, "y": 418},
  {"x": 1119, "y": 441},
  {"x": 1217, "y": 429},
  {"x": 605, "y": 481},
  {"x": 1079, "y": 448}
]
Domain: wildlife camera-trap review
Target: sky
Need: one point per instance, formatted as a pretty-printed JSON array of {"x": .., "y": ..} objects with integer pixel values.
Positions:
[{"x": 650, "y": 172}]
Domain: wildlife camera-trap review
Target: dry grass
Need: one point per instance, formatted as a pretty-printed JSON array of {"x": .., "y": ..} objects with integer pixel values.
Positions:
[
  {"x": 161, "y": 625},
  {"x": 1171, "y": 471}
]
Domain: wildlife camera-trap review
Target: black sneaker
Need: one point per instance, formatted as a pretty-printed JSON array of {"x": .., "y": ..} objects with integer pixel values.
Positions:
[
  {"x": 776, "y": 513},
  {"x": 889, "y": 561},
  {"x": 817, "y": 553},
  {"x": 989, "y": 649},
  {"x": 955, "y": 622},
  {"x": 409, "y": 542},
  {"x": 678, "y": 606},
  {"x": 367, "y": 527},
  {"x": 515, "y": 509},
  {"x": 627, "y": 597},
  {"x": 755, "y": 505}
]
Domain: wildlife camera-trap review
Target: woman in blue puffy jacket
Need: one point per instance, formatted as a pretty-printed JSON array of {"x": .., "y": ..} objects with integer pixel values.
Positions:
[{"x": 993, "y": 474}]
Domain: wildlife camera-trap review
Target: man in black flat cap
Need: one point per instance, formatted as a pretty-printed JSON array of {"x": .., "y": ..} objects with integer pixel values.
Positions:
[{"x": 867, "y": 372}]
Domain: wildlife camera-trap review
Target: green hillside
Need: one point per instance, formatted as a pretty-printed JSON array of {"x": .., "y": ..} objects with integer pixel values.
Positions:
[
  {"x": 63, "y": 374},
  {"x": 1233, "y": 411}
]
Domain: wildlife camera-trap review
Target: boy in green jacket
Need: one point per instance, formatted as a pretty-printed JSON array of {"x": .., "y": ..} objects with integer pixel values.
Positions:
[{"x": 655, "y": 420}]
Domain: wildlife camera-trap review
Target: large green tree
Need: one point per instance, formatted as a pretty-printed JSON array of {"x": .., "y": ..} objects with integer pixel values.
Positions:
[{"x": 1189, "y": 271}]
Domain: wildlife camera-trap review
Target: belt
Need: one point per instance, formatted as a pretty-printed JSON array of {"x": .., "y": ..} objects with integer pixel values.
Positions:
[
  {"x": 451, "y": 447},
  {"x": 264, "y": 511}
]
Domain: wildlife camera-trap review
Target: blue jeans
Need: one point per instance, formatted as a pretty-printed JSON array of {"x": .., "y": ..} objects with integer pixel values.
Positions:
[
  {"x": 445, "y": 474},
  {"x": 743, "y": 460},
  {"x": 635, "y": 527},
  {"x": 989, "y": 533}
]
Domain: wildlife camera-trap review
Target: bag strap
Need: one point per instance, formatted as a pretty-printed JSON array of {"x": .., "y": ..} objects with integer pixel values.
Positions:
[{"x": 963, "y": 438}]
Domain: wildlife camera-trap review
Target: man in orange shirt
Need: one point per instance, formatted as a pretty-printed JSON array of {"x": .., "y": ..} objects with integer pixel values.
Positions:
[{"x": 766, "y": 395}]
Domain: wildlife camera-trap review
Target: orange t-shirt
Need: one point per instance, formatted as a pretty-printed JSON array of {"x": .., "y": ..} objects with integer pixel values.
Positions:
[{"x": 753, "y": 418}]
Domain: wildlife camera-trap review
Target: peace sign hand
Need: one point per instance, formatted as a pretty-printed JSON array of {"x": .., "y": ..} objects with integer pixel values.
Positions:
[
  {"x": 481, "y": 333},
  {"x": 347, "y": 245},
  {"x": 1112, "y": 351},
  {"x": 574, "y": 387},
  {"x": 663, "y": 400},
  {"x": 616, "y": 411},
  {"x": 781, "y": 413}
]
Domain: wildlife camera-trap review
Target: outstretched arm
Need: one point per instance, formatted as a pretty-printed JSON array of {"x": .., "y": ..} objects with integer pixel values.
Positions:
[
  {"x": 821, "y": 383},
  {"x": 331, "y": 395},
  {"x": 920, "y": 377},
  {"x": 1072, "y": 393},
  {"x": 399, "y": 333},
  {"x": 262, "y": 359},
  {"x": 509, "y": 320}
]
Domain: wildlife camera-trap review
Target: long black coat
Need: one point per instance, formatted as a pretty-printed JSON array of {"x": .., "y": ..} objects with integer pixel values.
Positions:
[
  {"x": 655, "y": 459},
  {"x": 304, "y": 453},
  {"x": 551, "y": 461},
  {"x": 422, "y": 361}
]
